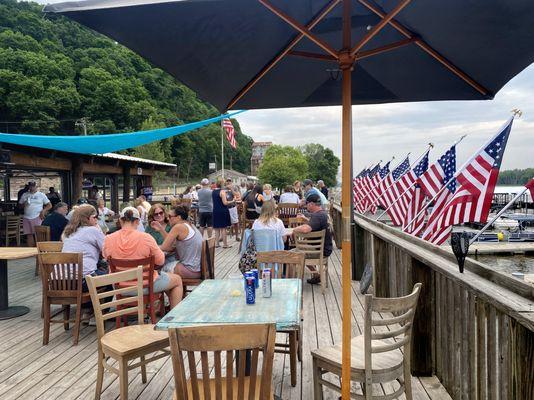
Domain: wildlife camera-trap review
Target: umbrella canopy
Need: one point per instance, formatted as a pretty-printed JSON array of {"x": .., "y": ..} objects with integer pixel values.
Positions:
[
  {"x": 217, "y": 47},
  {"x": 249, "y": 54}
]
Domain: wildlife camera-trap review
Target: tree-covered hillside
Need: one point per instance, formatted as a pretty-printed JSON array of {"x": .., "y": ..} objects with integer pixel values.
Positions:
[
  {"x": 54, "y": 72},
  {"x": 515, "y": 176}
]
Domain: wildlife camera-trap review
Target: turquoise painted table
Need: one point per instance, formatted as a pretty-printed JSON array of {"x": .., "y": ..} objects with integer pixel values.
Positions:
[{"x": 212, "y": 303}]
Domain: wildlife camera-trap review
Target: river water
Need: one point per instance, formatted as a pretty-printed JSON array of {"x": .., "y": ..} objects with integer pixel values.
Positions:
[{"x": 509, "y": 264}]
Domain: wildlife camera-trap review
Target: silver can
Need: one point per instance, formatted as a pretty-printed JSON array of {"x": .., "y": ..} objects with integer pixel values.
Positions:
[{"x": 266, "y": 283}]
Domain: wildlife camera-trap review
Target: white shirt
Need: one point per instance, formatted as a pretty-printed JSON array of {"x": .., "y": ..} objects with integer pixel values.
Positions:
[
  {"x": 275, "y": 224},
  {"x": 33, "y": 204},
  {"x": 290, "y": 197}
]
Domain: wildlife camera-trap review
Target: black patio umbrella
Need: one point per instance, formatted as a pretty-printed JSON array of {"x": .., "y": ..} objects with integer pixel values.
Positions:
[{"x": 250, "y": 54}]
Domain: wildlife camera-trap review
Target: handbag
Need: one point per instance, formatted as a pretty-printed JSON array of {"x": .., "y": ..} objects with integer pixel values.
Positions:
[{"x": 248, "y": 259}]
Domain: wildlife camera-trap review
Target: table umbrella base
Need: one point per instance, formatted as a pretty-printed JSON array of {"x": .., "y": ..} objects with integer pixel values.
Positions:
[{"x": 13, "y": 312}]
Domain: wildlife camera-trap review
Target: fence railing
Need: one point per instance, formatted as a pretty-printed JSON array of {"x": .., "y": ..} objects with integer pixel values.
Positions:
[{"x": 474, "y": 331}]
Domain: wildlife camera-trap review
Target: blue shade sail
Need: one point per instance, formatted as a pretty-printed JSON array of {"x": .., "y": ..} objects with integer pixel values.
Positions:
[{"x": 98, "y": 144}]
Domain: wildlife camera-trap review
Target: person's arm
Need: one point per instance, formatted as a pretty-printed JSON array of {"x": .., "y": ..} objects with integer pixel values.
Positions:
[
  {"x": 176, "y": 233},
  {"x": 24, "y": 198},
  {"x": 159, "y": 256},
  {"x": 46, "y": 207},
  {"x": 305, "y": 228},
  {"x": 223, "y": 197}
]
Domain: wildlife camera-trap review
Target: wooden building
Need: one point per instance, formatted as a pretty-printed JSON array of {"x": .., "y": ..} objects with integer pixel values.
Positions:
[{"x": 119, "y": 176}]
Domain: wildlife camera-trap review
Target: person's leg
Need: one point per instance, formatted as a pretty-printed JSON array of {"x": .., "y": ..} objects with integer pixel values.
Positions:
[
  {"x": 217, "y": 235},
  {"x": 210, "y": 232},
  {"x": 174, "y": 289},
  {"x": 224, "y": 238},
  {"x": 30, "y": 240}
]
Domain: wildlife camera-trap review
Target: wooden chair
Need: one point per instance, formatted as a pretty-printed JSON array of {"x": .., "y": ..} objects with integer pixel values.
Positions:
[
  {"x": 293, "y": 223},
  {"x": 290, "y": 265},
  {"x": 376, "y": 355},
  {"x": 127, "y": 343},
  {"x": 150, "y": 299},
  {"x": 287, "y": 211},
  {"x": 219, "y": 342},
  {"x": 12, "y": 229},
  {"x": 61, "y": 276},
  {"x": 42, "y": 234},
  {"x": 207, "y": 265},
  {"x": 47, "y": 247},
  {"x": 312, "y": 245}
]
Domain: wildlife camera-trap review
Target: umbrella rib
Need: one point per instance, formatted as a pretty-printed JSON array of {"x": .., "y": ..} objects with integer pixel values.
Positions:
[
  {"x": 318, "y": 18},
  {"x": 378, "y": 27},
  {"x": 315, "y": 56},
  {"x": 392, "y": 46},
  {"x": 428, "y": 49}
]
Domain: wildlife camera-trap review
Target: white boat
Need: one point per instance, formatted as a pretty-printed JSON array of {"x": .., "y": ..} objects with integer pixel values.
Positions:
[{"x": 505, "y": 224}]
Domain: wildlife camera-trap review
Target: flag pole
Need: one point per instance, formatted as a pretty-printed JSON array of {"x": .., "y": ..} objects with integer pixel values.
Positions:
[
  {"x": 222, "y": 151},
  {"x": 506, "y": 207},
  {"x": 398, "y": 198},
  {"x": 459, "y": 171}
]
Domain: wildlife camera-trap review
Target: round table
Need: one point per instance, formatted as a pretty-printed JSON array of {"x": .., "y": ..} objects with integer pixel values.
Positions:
[{"x": 11, "y": 253}]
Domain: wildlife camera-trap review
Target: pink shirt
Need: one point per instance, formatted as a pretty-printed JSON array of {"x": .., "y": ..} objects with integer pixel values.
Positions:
[{"x": 132, "y": 244}]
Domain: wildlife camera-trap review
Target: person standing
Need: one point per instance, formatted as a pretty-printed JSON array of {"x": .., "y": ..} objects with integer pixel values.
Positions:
[
  {"x": 205, "y": 208},
  {"x": 36, "y": 205},
  {"x": 56, "y": 221},
  {"x": 233, "y": 195},
  {"x": 221, "y": 216},
  {"x": 322, "y": 188},
  {"x": 53, "y": 196}
]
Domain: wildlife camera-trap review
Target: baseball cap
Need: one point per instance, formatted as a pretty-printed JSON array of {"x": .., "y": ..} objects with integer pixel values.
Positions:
[
  {"x": 205, "y": 181},
  {"x": 135, "y": 212},
  {"x": 313, "y": 198}
]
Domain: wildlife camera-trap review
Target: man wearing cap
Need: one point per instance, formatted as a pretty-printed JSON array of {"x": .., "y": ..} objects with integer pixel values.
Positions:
[
  {"x": 36, "y": 205},
  {"x": 205, "y": 207},
  {"x": 317, "y": 221}
]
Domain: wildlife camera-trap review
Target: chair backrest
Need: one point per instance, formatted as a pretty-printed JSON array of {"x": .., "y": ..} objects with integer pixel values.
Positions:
[
  {"x": 100, "y": 299},
  {"x": 311, "y": 243},
  {"x": 396, "y": 330},
  {"x": 207, "y": 259},
  {"x": 42, "y": 233},
  {"x": 61, "y": 274},
  {"x": 49, "y": 247},
  {"x": 222, "y": 341},
  {"x": 287, "y": 211},
  {"x": 296, "y": 221},
  {"x": 290, "y": 262},
  {"x": 13, "y": 223},
  {"x": 118, "y": 265}
]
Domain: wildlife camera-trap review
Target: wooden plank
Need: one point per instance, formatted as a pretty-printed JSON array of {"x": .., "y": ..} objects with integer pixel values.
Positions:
[
  {"x": 482, "y": 372},
  {"x": 504, "y": 355},
  {"x": 422, "y": 325},
  {"x": 472, "y": 343},
  {"x": 492, "y": 352},
  {"x": 438, "y": 327},
  {"x": 456, "y": 332},
  {"x": 522, "y": 355}
]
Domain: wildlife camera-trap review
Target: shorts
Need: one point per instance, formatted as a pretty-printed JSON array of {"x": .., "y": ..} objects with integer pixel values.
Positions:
[
  {"x": 28, "y": 225},
  {"x": 205, "y": 219},
  {"x": 234, "y": 218},
  {"x": 187, "y": 273},
  {"x": 170, "y": 263},
  {"x": 160, "y": 284}
]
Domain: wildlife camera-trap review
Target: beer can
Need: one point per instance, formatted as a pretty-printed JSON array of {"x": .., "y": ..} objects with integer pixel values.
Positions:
[
  {"x": 250, "y": 290},
  {"x": 266, "y": 283},
  {"x": 256, "y": 276}
]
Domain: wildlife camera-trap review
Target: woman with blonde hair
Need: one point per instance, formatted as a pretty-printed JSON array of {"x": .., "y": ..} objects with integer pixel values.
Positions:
[
  {"x": 267, "y": 192},
  {"x": 269, "y": 220},
  {"x": 83, "y": 235},
  {"x": 103, "y": 213},
  {"x": 138, "y": 204}
]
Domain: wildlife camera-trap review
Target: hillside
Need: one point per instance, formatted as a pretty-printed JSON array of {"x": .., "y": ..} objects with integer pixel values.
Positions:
[{"x": 54, "y": 72}]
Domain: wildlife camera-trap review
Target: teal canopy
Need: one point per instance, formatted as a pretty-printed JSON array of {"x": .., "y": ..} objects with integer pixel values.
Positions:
[{"x": 98, "y": 144}]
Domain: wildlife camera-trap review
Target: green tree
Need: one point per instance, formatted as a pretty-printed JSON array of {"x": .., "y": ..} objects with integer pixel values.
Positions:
[
  {"x": 322, "y": 163},
  {"x": 282, "y": 165}
]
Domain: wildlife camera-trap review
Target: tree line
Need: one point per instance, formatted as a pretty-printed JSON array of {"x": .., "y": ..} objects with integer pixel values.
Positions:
[{"x": 515, "y": 176}]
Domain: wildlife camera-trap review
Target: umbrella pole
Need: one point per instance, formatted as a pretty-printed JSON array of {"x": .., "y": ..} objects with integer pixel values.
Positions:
[{"x": 346, "y": 62}]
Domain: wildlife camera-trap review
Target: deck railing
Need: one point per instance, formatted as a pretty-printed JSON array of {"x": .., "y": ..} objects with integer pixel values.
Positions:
[{"x": 474, "y": 331}]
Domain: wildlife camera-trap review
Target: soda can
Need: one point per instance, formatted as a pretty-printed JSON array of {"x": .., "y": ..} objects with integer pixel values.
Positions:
[
  {"x": 246, "y": 275},
  {"x": 256, "y": 276},
  {"x": 250, "y": 290},
  {"x": 266, "y": 283}
]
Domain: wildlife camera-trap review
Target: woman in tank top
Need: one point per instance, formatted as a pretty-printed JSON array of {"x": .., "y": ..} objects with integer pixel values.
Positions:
[{"x": 187, "y": 241}]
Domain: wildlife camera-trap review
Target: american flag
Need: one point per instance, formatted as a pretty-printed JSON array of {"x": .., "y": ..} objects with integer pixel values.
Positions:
[
  {"x": 472, "y": 200},
  {"x": 365, "y": 187},
  {"x": 375, "y": 193},
  {"x": 230, "y": 131},
  {"x": 357, "y": 188},
  {"x": 391, "y": 191},
  {"x": 432, "y": 181},
  {"x": 404, "y": 186},
  {"x": 530, "y": 187}
]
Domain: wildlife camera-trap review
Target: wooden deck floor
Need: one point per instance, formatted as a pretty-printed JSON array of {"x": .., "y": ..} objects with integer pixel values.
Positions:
[{"x": 29, "y": 370}]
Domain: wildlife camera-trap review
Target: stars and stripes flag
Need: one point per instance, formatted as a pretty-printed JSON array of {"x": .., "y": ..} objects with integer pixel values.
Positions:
[
  {"x": 365, "y": 186},
  {"x": 357, "y": 188},
  {"x": 391, "y": 191},
  {"x": 374, "y": 193},
  {"x": 230, "y": 131},
  {"x": 530, "y": 187},
  {"x": 476, "y": 183}
]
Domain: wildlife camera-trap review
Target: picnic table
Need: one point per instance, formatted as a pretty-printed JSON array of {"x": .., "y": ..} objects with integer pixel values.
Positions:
[
  {"x": 213, "y": 302},
  {"x": 11, "y": 253}
]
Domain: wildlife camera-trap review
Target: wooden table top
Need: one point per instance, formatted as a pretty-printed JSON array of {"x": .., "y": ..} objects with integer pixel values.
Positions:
[
  {"x": 212, "y": 302},
  {"x": 14, "y": 253}
]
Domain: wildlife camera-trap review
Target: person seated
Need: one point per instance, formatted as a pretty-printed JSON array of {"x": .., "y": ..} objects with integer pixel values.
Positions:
[
  {"x": 289, "y": 196},
  {"x": 56, "y": 221},
  {"x": 130, "y": 243},
  {"x": 103, "y": 214},
  {"x": 83, "y": 235},
  {"x": 317, "y": 221},
  {"x": 269, "y": 220},
  {"x": 187, "y": 241},
  {"x": 158, "y": 225},
  {"x": 81, "y": 201},
  {"x": 267, "y": 192}
]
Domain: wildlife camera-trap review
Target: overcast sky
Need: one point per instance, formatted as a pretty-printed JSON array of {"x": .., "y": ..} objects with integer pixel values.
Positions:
[{"x": 383, "y": 131}]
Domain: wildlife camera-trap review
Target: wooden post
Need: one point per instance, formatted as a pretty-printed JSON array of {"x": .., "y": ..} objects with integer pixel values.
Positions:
[
  {"x": 358, "y": 252},
  {"x": 422, "y": 324},
  {"x": 522, "y": 361},
  {"x": 115, "y": 193},
  {"x": 127, "y": 181},
  {"x": 77, "y": 179},
  {"x": 380, "y": 267}
]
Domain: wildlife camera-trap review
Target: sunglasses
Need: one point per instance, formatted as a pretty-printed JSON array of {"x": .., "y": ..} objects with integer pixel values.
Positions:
[{"x": 159, "y": 213}]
